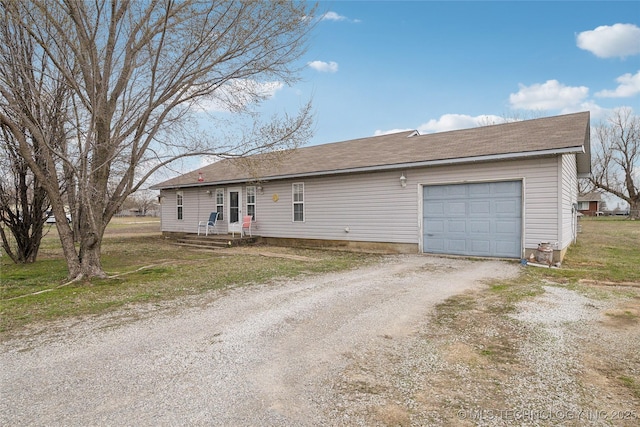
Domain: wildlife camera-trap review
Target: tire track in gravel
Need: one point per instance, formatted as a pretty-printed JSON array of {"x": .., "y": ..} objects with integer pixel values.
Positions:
[{"x": 251, "y": 356}]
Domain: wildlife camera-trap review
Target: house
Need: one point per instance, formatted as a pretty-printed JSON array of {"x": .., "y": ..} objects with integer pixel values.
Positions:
[
  {"x": 589, "y": 203},
  {"x": 493, "y": 191}
]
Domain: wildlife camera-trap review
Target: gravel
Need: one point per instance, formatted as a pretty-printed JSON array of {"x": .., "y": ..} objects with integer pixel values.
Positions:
[{"x": 263, "y": 355}]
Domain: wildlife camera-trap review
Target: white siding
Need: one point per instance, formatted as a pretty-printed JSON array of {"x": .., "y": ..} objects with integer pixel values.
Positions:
[
  {"x": 375, "y": 208},
  {"x": 197, "y": 205},
  {"x": 569, "y": 196}
]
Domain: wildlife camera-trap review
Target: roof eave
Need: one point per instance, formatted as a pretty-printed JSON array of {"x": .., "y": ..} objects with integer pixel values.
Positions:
[{"x": 393, "y": 166}]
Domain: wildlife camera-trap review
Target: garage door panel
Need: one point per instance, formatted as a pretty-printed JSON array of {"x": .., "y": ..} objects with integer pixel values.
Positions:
[
  {"x": 437, "y": 191},
  {"x": 455, "y": 191},
  {"x": 477, "y": 227},
  {"x": 456, "y": 208},
  {"x": 456, "y": 245},
  {"x": 479, "y": 190},
  {"x": 479, "y": 207},
  {"x": 478, "y": 247},
  {"x": 509, "y": 207},
  {"x": 507, "y": 187},
  {"x": 435, "y": 226},
  {"x": 435, "y": 245},
  {"x": 505, "y": 249},
  {"x": 435, "y": 208},
  {"x": 507, "y": 227},
  {"x": 454, "y": 226},
  {"x": 481, "y": 219}
]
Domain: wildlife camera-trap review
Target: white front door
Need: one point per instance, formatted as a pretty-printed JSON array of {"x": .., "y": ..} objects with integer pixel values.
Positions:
[{"x": 234, "y": 209}]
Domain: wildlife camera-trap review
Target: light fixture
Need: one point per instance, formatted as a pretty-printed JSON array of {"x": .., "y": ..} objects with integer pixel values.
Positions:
[
  {"x": 260, "y": 189},
  {"x": 403, "y": 180}
]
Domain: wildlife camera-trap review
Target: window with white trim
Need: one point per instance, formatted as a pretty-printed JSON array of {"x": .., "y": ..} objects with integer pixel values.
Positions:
[
  {"x": 251, "y": 202},
  {"x": 179, "y": 200},
  {"x": 583, "y": 206},
  {"x": 220, "y": 203},
  {"x": 298, "y": 202}
]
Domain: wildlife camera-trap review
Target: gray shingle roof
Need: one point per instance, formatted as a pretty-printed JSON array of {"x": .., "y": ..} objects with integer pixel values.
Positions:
[
  {"x": 593, "y": 196},
  {"x": 544, "y": 136}
]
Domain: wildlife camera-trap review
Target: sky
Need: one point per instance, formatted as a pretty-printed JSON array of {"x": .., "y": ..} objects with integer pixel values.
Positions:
[{"x": 375, "y": 67}]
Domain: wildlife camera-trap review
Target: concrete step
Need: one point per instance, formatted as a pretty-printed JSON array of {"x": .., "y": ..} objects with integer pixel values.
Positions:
[{"x": 214, "y": 241}]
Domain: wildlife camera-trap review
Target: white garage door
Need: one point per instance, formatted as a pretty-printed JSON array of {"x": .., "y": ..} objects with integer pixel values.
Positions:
[{"x": 481, "y": 219}]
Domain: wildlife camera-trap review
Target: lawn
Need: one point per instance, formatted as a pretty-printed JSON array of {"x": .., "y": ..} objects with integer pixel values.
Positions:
[
  {"x": 608, "y": 250},
  {"x": 145, "y": 268}
]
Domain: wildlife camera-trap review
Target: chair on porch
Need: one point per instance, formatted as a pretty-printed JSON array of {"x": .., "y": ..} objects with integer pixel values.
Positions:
[
  {"x": 211, "y": 223},
  {"x": 246, "y": 226}
]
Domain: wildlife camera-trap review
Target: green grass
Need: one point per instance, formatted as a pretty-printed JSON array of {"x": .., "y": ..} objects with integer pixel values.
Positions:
[
  {"x": 145, "y": 268},
  {"x": 631, "y": 384},
  {"x": 608, "y": 249}
]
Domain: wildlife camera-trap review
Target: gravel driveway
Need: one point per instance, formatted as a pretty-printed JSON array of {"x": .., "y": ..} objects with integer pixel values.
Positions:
[{"x": 259, "y": 355}]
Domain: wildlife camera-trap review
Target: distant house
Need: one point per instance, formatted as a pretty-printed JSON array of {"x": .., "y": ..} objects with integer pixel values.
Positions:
[
  {"x": 494, "y": 191},
  {"x": 589, "y": 203}
]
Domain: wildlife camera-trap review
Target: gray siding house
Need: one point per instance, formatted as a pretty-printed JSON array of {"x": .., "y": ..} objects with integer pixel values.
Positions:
[{"x": 493, "y": 191}]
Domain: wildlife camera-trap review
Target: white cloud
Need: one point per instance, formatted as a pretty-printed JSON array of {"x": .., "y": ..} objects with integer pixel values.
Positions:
[
  {"x": 389, "y": 131},
  {"x": 551, "y": 95},
  {"x": 332, "y": 16},
  {"x": 448, "y": 122},
  {"x": 619, "y": 40},
  {"x": 629, "y": 86},
  {"x": 324, "y": 67},
  {"x": 237, "y": 94}
]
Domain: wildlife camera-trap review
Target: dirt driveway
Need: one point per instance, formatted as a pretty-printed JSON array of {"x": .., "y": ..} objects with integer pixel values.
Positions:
[{"x": 262, "y": 355}]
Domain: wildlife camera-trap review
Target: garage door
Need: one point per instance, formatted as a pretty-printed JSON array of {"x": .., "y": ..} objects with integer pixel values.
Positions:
[{"x": 480, "y": 219}]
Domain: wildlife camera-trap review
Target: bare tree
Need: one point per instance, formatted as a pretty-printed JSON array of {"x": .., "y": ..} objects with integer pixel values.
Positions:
[
  {"x": 141, "y": 202},
  {"x": 616, "y": 158},
  {"x": 137, "y": 73},
  {"x": 23, "y": 203},
  {"x": 38, "y": 117}
]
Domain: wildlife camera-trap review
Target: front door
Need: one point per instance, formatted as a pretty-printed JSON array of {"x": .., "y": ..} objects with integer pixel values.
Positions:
[{"x": 235, "y": 210}]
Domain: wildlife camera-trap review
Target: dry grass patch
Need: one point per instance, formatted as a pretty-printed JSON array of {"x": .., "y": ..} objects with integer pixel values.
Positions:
[{"x": 146, "y": 268}]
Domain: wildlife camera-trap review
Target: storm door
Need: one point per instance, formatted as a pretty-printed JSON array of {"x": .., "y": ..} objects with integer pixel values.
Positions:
[{"x": 235, "y": 209}]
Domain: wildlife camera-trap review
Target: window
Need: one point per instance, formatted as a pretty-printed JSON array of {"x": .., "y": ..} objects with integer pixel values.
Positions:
[
  {"x": 220, "y": 203},
  {"x": 179, "y": 199},
  {"x": 298, "y": 202},
  {"x": 583, "y": 206},
  {"x": 251, "y": 202}
]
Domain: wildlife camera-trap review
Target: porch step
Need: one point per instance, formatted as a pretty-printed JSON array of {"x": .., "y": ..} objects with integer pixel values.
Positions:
[{"x": 214, "y": 241}]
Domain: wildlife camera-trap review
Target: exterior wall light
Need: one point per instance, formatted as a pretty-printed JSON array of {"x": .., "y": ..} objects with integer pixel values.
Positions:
[{"x": 403, "y": 181}]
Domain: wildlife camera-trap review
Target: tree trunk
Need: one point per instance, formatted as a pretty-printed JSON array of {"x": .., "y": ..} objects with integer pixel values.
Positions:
[
  {"x": 634, "y": 209},
  {"x": 85, "y": 262},
  {"x": 90, "y": 257}
]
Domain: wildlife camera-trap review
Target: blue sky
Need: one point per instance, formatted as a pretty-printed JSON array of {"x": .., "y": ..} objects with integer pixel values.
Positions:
[{"x": 374, "y": 67}]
